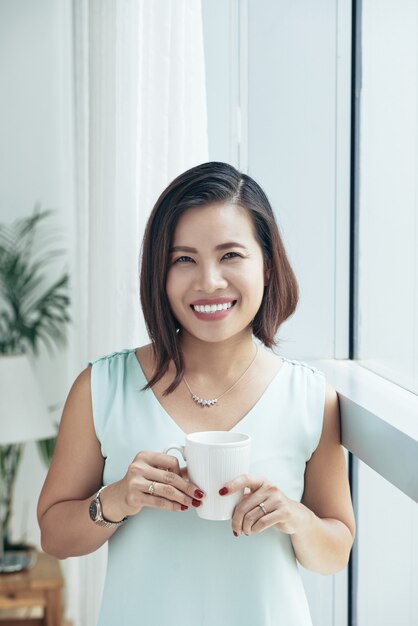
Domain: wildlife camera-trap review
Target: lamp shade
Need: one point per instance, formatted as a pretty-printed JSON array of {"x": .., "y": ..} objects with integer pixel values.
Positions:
[{"x": 23, "y": 411}]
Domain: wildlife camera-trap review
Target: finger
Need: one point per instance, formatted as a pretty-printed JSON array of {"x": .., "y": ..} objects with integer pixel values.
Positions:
[
  {"x": 160, "y": 460},
  {"x": 162, "y": 503},
  {"x": 240, "y": 482},
  {"x": 171, "y": 493},
  {"x": 263, "y": 522},
  {"x": 253, "y": 517},
  {"x": 247, "y": 512},
  {"x": 250, "y": 501},
  {"x": 188, "y": 491}
]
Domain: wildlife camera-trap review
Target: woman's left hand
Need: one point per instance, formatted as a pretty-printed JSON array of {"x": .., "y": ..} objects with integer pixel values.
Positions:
[{"x": 249, "y": 518}]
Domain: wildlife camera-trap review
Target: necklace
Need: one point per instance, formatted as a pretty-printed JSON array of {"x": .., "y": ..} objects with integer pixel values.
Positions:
[{"x": 213, "y": 401}]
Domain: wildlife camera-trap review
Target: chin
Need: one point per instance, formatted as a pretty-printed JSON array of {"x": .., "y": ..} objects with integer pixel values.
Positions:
[{"x": 215, "y": 337}]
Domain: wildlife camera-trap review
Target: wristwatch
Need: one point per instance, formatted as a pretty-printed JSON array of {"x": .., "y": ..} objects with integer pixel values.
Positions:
[{"x": 96, "y": 515}]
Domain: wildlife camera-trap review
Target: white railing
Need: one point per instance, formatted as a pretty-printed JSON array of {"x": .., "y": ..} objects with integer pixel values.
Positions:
[{"x": 379, "y": 422}]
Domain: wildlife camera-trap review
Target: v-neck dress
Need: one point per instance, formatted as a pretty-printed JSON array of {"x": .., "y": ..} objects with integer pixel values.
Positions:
[{"x": 169, "y": 568}]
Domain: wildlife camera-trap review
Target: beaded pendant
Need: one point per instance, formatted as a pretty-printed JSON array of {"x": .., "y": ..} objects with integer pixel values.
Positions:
[{"x": 204, "y": 402}]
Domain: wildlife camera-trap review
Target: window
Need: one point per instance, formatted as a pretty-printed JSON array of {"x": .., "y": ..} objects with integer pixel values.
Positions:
[{"x": 387, "y": 170}]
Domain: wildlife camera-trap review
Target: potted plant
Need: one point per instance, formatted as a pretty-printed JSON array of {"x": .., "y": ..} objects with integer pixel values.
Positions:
[{"x": 33, "y": 311}]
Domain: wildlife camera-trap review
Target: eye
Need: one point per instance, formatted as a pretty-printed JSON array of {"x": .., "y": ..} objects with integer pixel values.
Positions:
[
  {"x": 231, "y": 255},
  {"x": 183, "y": 259}
]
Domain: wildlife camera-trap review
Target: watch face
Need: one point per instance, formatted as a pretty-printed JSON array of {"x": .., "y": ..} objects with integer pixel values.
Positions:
[{"x": 93, "y": 510}]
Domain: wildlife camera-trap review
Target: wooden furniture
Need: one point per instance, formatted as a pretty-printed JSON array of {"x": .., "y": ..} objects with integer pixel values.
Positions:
[{"x": 39, "y": 586}]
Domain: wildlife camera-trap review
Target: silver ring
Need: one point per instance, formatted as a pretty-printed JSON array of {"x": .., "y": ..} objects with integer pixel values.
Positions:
[
  {"x": 262, "y": 507},
  {"x": 151, "y": 488}
]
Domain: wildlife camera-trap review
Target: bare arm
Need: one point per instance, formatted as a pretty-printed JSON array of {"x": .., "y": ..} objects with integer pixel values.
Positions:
[
  {"x": 76, "y": 475},
  {"x": 324, "y": 540}
]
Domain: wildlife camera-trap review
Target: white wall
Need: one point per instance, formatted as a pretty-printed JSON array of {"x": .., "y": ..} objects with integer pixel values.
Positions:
[
  {"x": 298, "y": 70},
  {"x": 292, "y": 152},
  {"x": 387, "y": 548},
  {"x": 221, "y": 33}
]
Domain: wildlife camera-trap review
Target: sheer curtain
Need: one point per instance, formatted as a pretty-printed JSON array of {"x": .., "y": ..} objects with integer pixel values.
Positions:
[{"x": 140, "y": 121}]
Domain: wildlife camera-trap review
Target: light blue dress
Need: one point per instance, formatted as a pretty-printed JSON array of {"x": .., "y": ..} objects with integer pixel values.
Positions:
[{"x": 170, "y": 569}]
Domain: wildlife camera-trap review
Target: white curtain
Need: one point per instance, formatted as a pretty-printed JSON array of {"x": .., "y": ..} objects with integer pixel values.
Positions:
[{"x": 140, "y": 121}]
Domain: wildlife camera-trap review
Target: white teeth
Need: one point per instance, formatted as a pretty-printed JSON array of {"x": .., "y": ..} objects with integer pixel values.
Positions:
[{"x": 211, "y": 308}]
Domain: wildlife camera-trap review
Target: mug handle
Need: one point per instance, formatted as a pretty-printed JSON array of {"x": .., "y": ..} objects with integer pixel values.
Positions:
[{"x": 176, "y": 446}]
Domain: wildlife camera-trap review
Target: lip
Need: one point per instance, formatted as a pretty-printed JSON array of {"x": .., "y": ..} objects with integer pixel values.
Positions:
[
  {"x": 218, "y": 315},
  {"x": 213, "y": 301}
]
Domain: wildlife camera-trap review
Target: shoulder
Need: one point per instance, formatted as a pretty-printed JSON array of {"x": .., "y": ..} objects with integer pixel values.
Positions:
[
  {"x": 326, "y": 393},
  {"x": 303, "y": 367},
  {"x": 308, "y": 380},
  {"x": 111, "y": 366},
  {"x": 119, "y": 355},
  {"x": 310, "y": 386},
  {"x": 81, "y": 387},
  {"x": 271, "y": 361}
]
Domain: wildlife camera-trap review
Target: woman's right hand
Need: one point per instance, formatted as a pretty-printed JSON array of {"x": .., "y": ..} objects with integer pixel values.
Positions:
[{"x": 128, "y": 496}]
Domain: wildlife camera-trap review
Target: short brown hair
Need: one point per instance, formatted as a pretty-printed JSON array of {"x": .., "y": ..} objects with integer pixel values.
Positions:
[{"x": 206, "y": 184}]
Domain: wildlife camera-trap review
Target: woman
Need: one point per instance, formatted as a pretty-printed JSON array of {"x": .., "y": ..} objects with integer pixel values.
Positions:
[{"x": 214, "y": 276}]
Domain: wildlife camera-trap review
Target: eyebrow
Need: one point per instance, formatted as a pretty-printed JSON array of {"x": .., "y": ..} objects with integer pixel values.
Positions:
[{"x": 221, "y": 246}]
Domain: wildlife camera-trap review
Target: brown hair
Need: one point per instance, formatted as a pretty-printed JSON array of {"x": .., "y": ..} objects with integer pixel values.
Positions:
[{"x": 206, "y": 184}]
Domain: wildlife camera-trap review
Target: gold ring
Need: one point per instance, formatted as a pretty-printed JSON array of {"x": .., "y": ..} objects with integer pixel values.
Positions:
[
  {"x": 151, "y": 488},
  {"x": 262, "y": 507}
]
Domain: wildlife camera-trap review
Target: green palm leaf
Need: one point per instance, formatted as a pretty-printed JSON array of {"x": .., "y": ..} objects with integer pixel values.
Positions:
[{"x": 33, "y": 307}]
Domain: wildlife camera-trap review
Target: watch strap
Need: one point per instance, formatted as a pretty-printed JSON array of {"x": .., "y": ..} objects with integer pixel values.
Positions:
[{"x": 99, "y": 519}]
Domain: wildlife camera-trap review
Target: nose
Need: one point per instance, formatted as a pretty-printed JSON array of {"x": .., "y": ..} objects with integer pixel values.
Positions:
[{"x": 210, "y": 278}]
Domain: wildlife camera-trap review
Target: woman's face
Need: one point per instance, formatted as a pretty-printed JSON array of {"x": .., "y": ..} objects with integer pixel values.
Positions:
[{"x": 215, "y": 282}]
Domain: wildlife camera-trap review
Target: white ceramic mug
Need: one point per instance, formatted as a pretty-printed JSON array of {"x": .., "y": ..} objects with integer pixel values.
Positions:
[{"x": 213, "y": 458}]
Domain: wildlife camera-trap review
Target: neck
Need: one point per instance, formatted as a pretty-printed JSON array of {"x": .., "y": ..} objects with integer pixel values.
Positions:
[{"x": 222, "y": 360}]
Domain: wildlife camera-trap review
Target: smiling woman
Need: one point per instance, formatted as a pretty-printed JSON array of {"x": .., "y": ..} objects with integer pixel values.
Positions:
[
  {"x": 215, "y": 284},
  {"x": 213, "y": 217}
]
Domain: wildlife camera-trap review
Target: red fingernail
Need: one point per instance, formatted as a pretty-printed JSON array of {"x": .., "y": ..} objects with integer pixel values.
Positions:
[
  {"x": 196, "y": 502},
  {"x": 198, "y": 493},
  {"x": 236, "y": 534},
  {"x": 184, "y": 507},
  {"x": 223, "y": 491}
]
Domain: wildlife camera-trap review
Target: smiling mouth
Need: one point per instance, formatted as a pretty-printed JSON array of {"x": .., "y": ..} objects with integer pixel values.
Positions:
[{"x": 212, "y": 308}]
